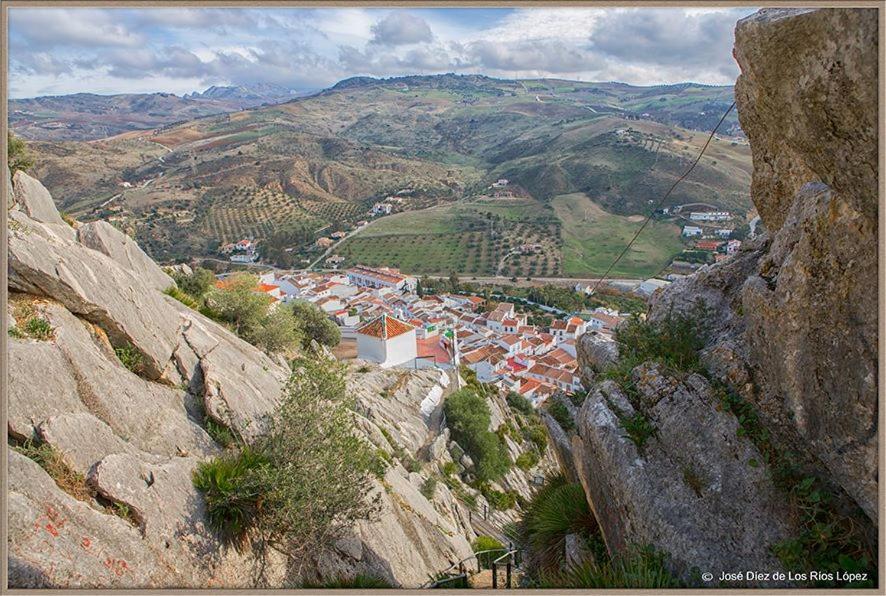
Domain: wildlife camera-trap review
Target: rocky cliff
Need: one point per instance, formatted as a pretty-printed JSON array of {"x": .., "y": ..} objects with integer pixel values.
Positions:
[
  {"x": 695, "y": 462},
  {"x": 109, "y": 501}
]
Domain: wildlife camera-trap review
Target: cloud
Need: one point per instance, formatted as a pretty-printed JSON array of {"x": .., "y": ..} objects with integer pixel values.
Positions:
[
  {"x": 180, "y": 49},
  {"x": 401, "y": 28},
  {"x": 30, "y": 29}
]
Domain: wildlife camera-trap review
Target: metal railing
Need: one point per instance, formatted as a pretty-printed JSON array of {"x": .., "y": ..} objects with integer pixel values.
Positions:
[{"x": 459, "y": 569}]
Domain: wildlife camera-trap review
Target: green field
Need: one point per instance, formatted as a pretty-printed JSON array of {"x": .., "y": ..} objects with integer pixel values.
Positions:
[
  {"x": 593, "y": 238},
  {"x": 468, "y": 236}
]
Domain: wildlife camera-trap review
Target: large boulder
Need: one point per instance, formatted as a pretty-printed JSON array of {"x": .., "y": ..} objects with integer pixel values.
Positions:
[
  {"x": 91, "y": 284},
  {"x": 105, "y": 238},
  {"x": 697, "y": 490},
  {"x": 31, "y": 196}
]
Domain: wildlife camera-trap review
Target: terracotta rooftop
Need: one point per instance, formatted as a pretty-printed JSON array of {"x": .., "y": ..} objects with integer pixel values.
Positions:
[{"x": 385, "y": 327}]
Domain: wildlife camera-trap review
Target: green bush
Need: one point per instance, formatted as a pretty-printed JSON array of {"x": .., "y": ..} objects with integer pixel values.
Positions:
[
  {"x": 468, "y": 417},
  {"x": 555, "y": 511},
  {"x": 309, "y": 472},
  {"x": 17, "y": 155},
  {"x": 638, "y": 429},
  {"x": 487, "y": 543},
  {"x": 527, "y": 460},
  {"x": 197, "y": 284},
  {"x": 450, "y": 468},
  {"x": 315, "y": 324},
  {"x": 558, "y": 411},
  {"x": 537, "y": 434},
  {"x": 641, "y": 569},
  {"x": 39, "y": 328},
  {"x": 232, "y": 493},
  {"x": 674, "y": 341},
  {"x": 130, "y": 357},
  {"x": 183, "y": 297},
  {"x": 520, "y": 403},
  {"x": 429, "y": 487}
]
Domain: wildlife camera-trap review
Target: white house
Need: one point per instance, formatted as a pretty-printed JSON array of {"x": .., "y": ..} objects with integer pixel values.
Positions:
[
  {"x": 689, "y": 231},
  {"x": 732, "y": 247},
  {"x": 382, "y": 277},
  {"x": 709, "y": 215},
  {"x": 723, "y": 232},
  {"x": 387, "y": 341}
]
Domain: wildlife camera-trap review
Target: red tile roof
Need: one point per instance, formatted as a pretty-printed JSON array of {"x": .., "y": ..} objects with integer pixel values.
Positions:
[{"x": 385, "y": 327}]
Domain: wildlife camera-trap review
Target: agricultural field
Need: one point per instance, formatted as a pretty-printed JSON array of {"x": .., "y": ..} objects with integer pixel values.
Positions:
[
  {"x": 288, "y": 173},
  {"x": 593, "y": 238},
  {"x": 469, "y": 237}
]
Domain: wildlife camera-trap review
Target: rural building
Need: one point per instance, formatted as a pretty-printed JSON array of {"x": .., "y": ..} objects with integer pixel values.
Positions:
[
  {"x": 382, "y": 277},
  {"x": 689, "y": 231},
  {"x": 387, "y": 341},
  {"x": 709, "y": 215}
]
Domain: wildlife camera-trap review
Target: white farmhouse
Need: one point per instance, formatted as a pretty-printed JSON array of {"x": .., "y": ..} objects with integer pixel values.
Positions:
[
  {"x": 387, "y": 341},
  {"x": 689, "y": 231}
]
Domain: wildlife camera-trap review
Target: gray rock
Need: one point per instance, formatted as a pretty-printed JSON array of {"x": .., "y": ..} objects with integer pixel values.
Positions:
[
  {"x": 32, "y": 197},
  {"x": 30, "y": 403},
  {"x": 698, "y": 491},
  {"x": 576, "y": 552},
  {"x": 807, "y": 99},
  {"x": 594, "y": 353},
  {"x": 91, "y": 284},
  {"x": 105, "y": 238},
  {"x": 561, "y": 445}
]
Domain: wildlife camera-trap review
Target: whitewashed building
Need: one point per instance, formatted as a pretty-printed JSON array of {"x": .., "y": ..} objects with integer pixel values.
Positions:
[{"x": 387, "y": 341}]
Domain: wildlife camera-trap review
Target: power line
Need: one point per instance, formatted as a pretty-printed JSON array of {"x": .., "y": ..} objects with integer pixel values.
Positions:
[{"x": 662, "y": 200}]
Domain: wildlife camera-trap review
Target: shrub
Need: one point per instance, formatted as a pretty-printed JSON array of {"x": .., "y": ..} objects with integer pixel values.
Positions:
[
  {"x": 641, "y": 568},
  {"x": 220, "y": 433},
  {"x": 130, "y": 357},
  {"x": 298, "y": 485},
  {"x": 428, "y": 488},
  {"x": 468, "y": 417},
  {"x": 497, "y": 499},
  {"x": 537, "y": 434},
  {"x": 527, "y": 460},
  {"x": 39, "y": 328},
  {"x": 520, "y": 403},
  {"x": 558, "y": 411},
  {"x": 638, "y": 429},
  {"x": 51, "y": 460},
  {"x": 673, "y": 341},
  {"x": 555, "y": 511},
  {"x": 182, "y": 297},
  {"x": 450, "y": 468},
  {"x": 232, "y": 493},
  {"x": 197, "y": 284},
  {"x": 319, "y": 471},
  {"x": 17, "y": 156},
  {"x": 487, "y": 543},
  {"x": 315, "y": 324}
]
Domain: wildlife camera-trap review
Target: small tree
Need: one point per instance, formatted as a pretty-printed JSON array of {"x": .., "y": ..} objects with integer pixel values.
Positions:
[
  {"x": 197, "y": 284},
  {"x": 315, "y": 324},
  {"x": 319, "y": 471},
  {"x": 17, "y": 156}
]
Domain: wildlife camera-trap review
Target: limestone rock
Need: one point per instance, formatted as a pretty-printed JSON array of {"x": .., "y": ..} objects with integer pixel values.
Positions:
[
  {"x": 698, "y": 491},
  {"x": 807, "y": 100},
  {"x": 105, "y": 238},
  {"x": 91, "y": 284},
  {"x": 33, "y": 198},
  {"x": 594, "y": 354}
]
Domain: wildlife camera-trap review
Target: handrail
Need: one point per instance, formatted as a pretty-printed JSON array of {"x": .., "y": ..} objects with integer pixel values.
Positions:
[{"x": 475, "y": 555}]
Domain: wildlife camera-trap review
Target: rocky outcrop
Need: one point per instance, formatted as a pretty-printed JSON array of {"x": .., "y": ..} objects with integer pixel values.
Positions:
[
  {"x": 694, "y": 489},
  {"x": 123, "y": 511},
  {"x": 105, "y": 238},
  {"x": 789, "y": 323}
]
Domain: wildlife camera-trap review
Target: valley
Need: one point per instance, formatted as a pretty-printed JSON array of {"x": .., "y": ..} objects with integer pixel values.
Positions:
[{"x": 290, "y": 175}]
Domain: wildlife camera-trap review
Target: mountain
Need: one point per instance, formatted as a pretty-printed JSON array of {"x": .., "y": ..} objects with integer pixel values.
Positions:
[
  {"x": 88, "y": 116},
  {"x": 289, "y": 172}
]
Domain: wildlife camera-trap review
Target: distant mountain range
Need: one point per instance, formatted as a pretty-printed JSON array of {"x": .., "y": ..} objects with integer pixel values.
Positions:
[
  {"x": 88, "y": 116},
  {"x": 582, "y": 156}
]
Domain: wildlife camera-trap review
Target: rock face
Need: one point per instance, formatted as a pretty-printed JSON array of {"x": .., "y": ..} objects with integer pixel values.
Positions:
[
  {"x": 790, "y": 320},
  {"x": 128, "y": 515},
  {"x": 105, "y": 238},
  {"x": 695, "y": 489}
]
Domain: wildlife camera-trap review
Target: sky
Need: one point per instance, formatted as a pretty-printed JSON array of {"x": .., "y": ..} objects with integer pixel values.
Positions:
[{"x": 55, "y": 51}]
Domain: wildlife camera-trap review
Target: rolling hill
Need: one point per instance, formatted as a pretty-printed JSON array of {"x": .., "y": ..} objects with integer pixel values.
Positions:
[{"x": 291, "y": 172}]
